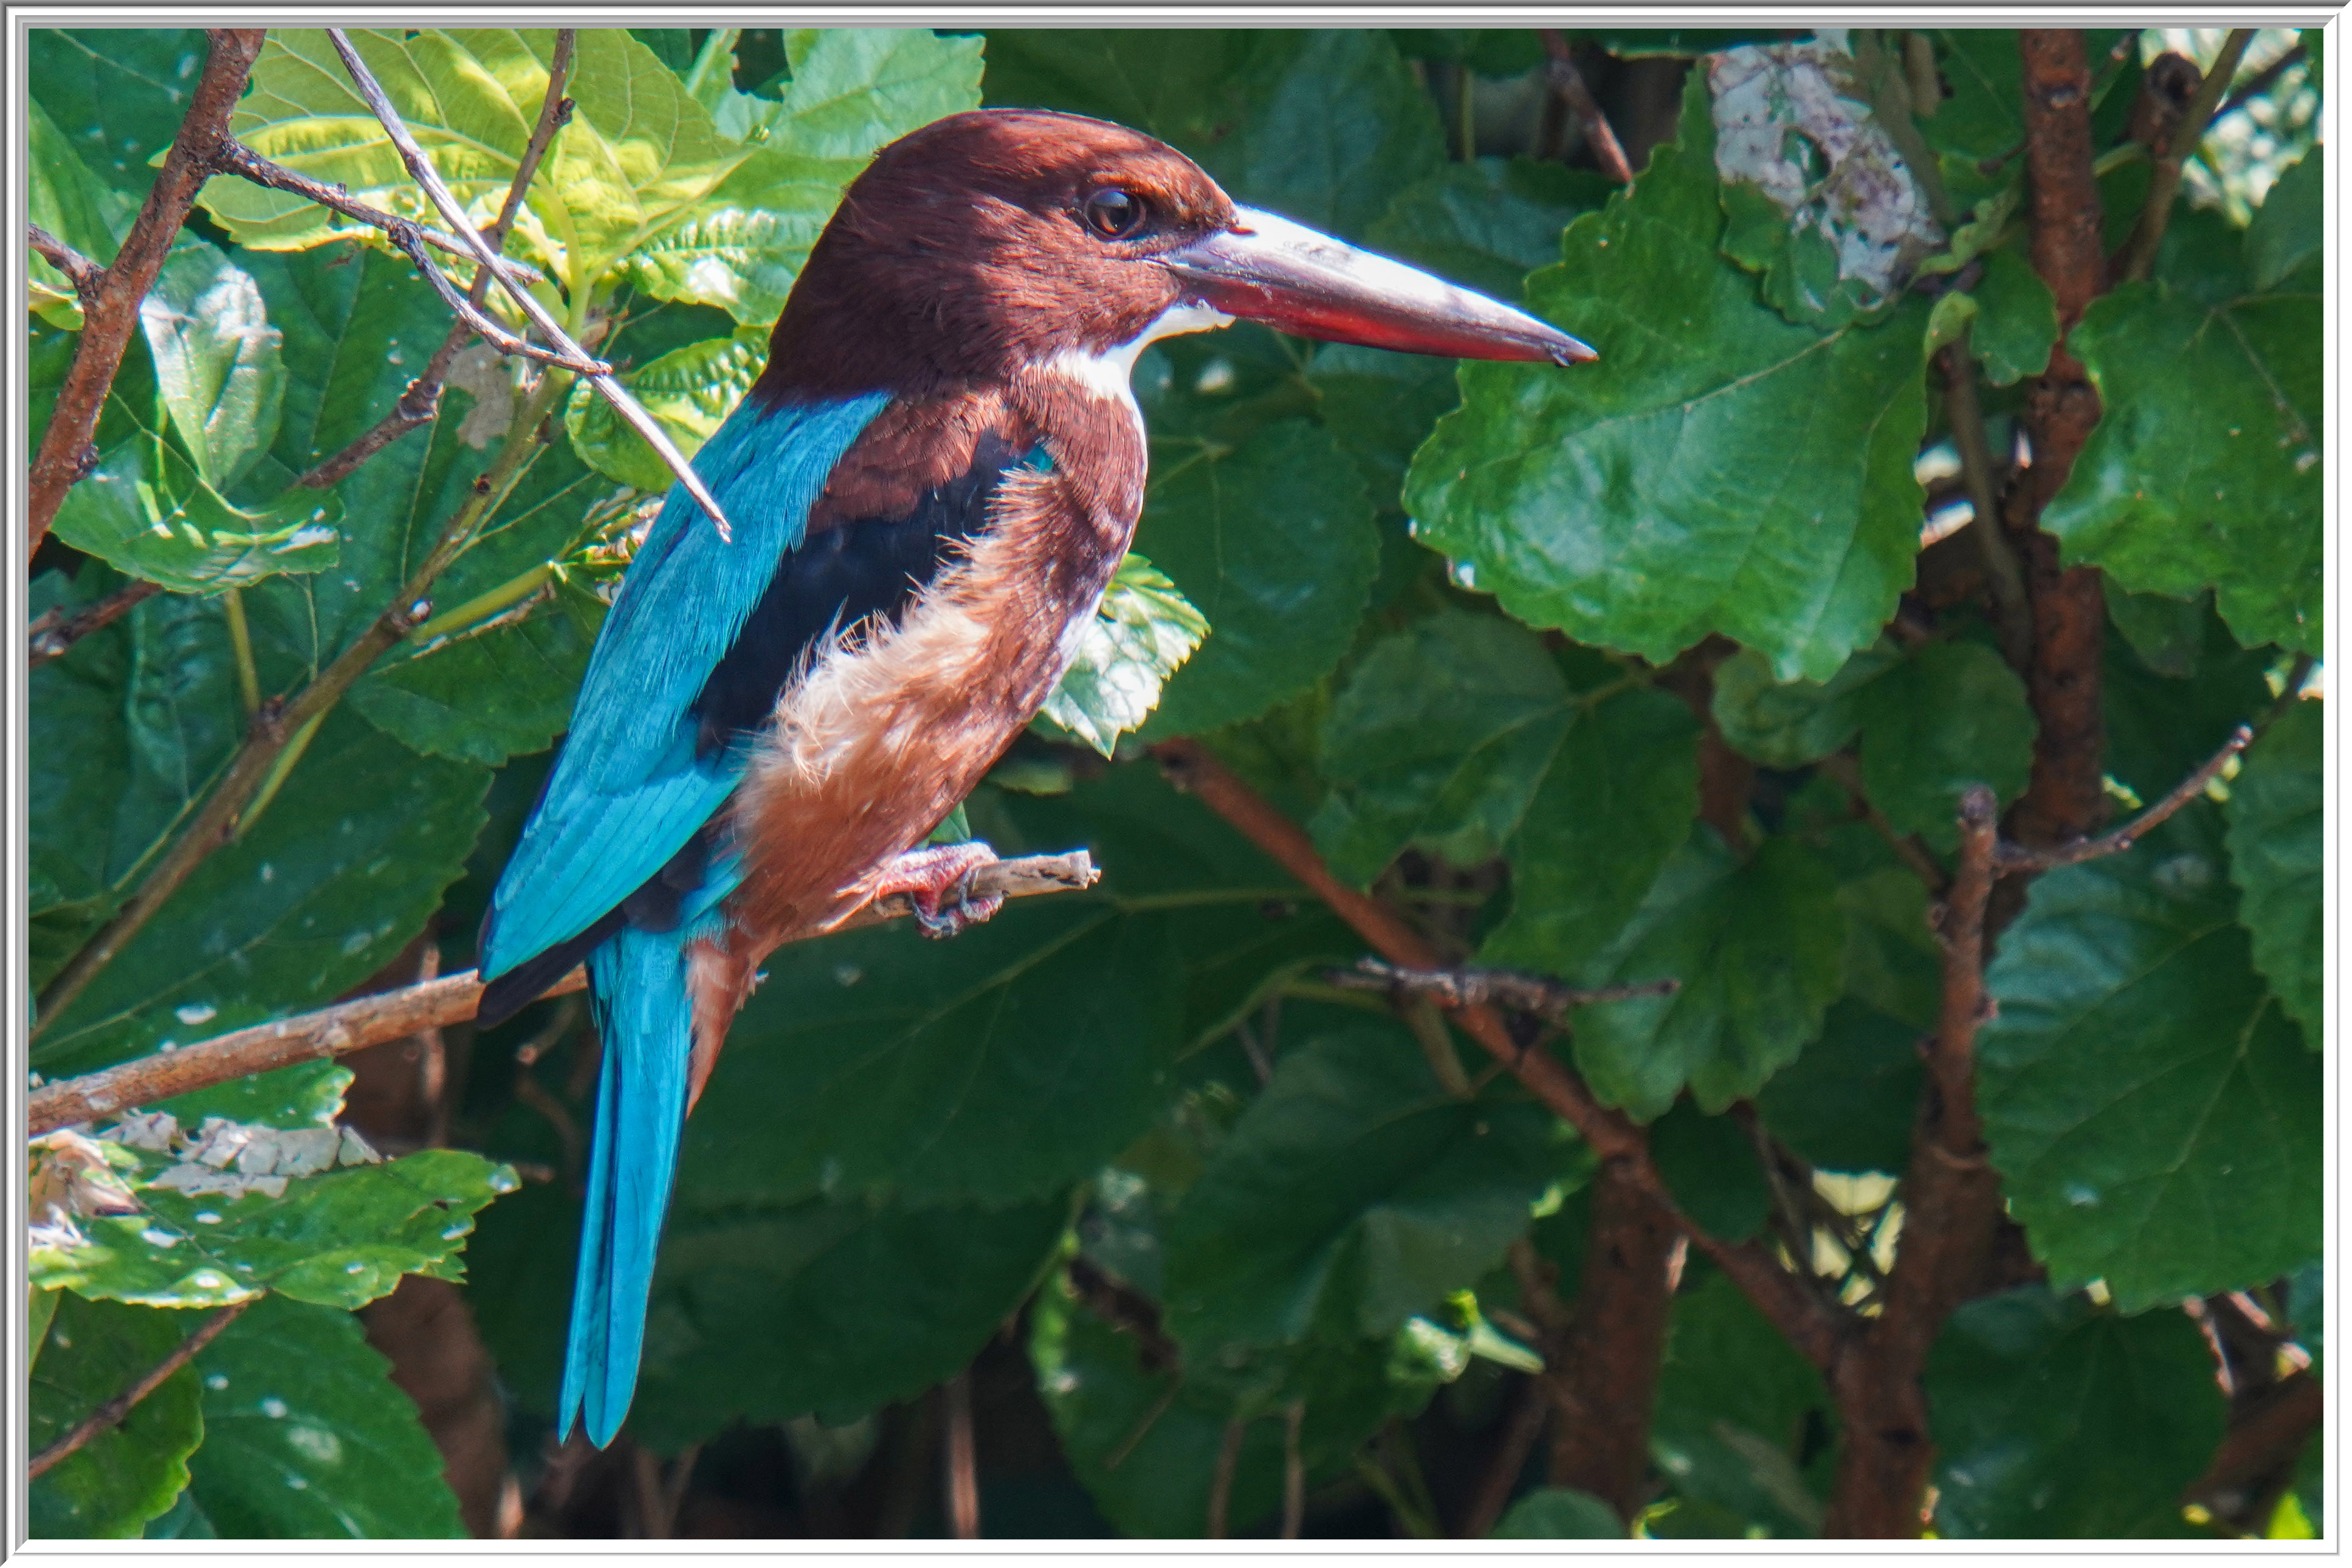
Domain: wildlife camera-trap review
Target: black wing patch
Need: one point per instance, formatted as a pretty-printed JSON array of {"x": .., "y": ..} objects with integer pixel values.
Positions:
[{"x": 859, "y": 567}]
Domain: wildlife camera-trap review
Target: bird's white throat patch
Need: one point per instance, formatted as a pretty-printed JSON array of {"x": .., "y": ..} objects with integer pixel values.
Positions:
[{"x": 1109, "y": 375}]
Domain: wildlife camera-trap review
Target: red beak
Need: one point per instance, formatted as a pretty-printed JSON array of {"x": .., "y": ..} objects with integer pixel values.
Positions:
[{"x": 1271, "y": 270}]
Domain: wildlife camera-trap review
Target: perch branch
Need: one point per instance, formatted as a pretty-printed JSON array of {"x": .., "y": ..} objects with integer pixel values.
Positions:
[
  {"x": 421, "y": 399},
  {"x": 2164, "y": 184},
  {"x": 116, "y": 1409},
  {"x": 109, "y": 317},
  {"x": 453, "y": 213},
  {"x": 51, "y": 635},
  {"x": 84, "y": 274},
  {"x": 1812, "y": 1326},
  {"x": 1565, "y": 80},
  {"x": 394, "y": 1014},
  {"x": 1469, "y": 987},
  {"x": 2013, "y": 859}
]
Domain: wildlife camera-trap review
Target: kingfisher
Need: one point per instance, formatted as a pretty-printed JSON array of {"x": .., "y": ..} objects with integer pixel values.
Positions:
[{"x": 928, "y": 488}]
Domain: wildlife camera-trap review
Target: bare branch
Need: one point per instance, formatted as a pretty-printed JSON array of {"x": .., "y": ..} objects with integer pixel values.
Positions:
[
  {"x": 108, "y": 321},
  {"x": 51, "y": 635},
  {"x": 394, "y": 1014},
  {"x": 963, "y": 1461},
  {"x": 2013, "y": 859},
  {"x": 2156, "y": 214},
  {"x": 421, "y": 400},
  {"x": 1469, "y": 987},
  {"x": 83, "y": 273},
  {"x": 236, "y": 158},
  {"x": 116, "y": 1409},
  {"x": 2012, "y": 612},
  {"x": 453, "y": 213},
  {"x": 1560, "y": 72}
]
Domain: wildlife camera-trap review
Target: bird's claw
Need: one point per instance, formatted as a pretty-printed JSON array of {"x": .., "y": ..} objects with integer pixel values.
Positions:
[{"x": 938, "y": 881}]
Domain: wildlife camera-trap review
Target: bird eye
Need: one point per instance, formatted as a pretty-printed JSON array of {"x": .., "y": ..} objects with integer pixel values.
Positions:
[{"x": 1114, "y": 214}]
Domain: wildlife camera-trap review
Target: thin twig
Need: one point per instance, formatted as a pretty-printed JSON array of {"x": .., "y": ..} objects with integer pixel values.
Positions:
[
  {"x": 108, "y": 321},
  {"x": 51, "y": 635},
  {"x": 1468, "y": 987},
  {"x": 963, "y": 1461},
  {"x": 1521, "y": 1428},
  {"x": 2013, "y": 859},
  {"x": 420, "y": 401},
  {"x": 1221, "y": 1480},
  {"x": 116, "y": 1409},
  {"x": 1815, "y": 1330},
  {"x": 2156, "y": 214},
  {"x": 453, "y": 213},
  {"x": 2262, "y": 81},
  {"x": 367, "y": 1021},
  {"x": 1564, "y": 78},
  {"x": 1294, "y": 1470},
  {"x": 83, "y": 273},
  {"x": 408, "y": 238},
  {"x": 1841, "y": 770},
  {"x": 234, "y": 157},
  {"x": 2012, "y": 614}
]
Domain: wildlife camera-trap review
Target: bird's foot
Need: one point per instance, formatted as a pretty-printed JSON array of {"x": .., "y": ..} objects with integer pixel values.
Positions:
[{"x": 937, "y": 879}]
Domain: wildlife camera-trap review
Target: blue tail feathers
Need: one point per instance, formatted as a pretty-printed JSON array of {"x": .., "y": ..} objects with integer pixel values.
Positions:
[{"x": 646, "y": 1016}]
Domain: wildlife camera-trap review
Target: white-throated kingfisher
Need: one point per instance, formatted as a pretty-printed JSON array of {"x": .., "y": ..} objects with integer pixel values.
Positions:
[{"x": 928, "y": 488}]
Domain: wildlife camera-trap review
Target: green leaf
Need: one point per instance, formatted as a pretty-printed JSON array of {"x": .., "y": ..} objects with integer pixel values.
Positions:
[
  {"x": 1846, "y": 1104},
  {"x": 2053, "y": 1419},
  {"x": 1709, "y": 1165},
  {"x": 1325, "y": 127},
  {"x": 129, "y": 1473},
  {"x": 484, "y": 696},
  {"x": 1438, "y": 737},
  {"x": 1755, "y": 945},
  {"x": 1488, "y": 224},
  {"x": 118, "y": 93},
  {"x": 1142, "y": 634},
  {"x": 2277, "y": 811},
  {"x": 1352, "y": 1194},
  {"x": 638, "y": 155},
  {"x": 216, "y": 359},
  {"x": 688, "y": 391},
  {"x": 2205, "y": 468},
  {"x": 1274, "y": 544},
  {"x": 2151, "y": 1110},
  {"x": 1786, "y": 724},
  {"x": 2166, "y": 634},
  {"x": 1719, "y": 469},
  {"x": 2290, "y": 226},
  {"x": 64, "y": 197},
  {"x": 1617, "y": 801},
  {"x": 830, "y": 1309},
  {"x": 1559, "y": 1513},
  {"x": 2161, "y": 727},
  {"x": 852, "y": 89},
  {"x": 1734, "y": 1406},
  {"x": 2017, "y": 320},
  {"x": 1949, "y": 715},
  {"x": 1678, "y": 43},
  {"x": 307, "y": 1437},
  {"x": 332, "y": 881}
]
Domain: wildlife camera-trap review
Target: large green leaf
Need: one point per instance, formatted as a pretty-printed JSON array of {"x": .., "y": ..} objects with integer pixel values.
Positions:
[
  {"x": 2277, "y": 812},
  {"x": 118, "y": 93},
  {"x": 1325, "y": 127},
  {"x": 1721, "y": 470},
  {"x": 339, "y": 871},
  {"x": 484, "y": 696},
  {"x": 2151, "y": 1109},
  {"x": 1846, "y": 1104},
  {"x": 1438, "y": 737},
  {"x": 307, "y": 1438},
  {"x": 1618, "y": 797},
  {"x": 1274, "y": 544},
  {"x": 1142, "y": 634},
  {"x": 854, "y": 89},
  {"x": 2291, "y": 226},
  {"x": 1488, "y": 224},
  {"x": 1949, "y": 715},
  {"x": 1559, "y": 1513},
  {"x": 2205, "y": 468},
  {"x": 2017, "y": 320},
  {"x": 1354, "y": 1192},
  {"x": 128, "y": 1473},
  {"x": 688, "y": 391},
  {"x": 2055, "y": 1419},
  {"x": 1735, "y": 1405},
  {"x": 2161, "y": 726},
  {"x": 216, "y": 359},
  {"x": 1786, "y": 724},
  {"x": 638, "y": 155},
  {"x": 831, "y": 1308},
  {"x": 1755, "y": 945}
]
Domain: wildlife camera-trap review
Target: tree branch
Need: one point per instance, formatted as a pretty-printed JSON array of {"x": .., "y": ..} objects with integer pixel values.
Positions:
[
  {"x": 84, "y": 274},
  {"x": 108, "y": 319},
  {"x": 116, "y": 1409},
  {"x": 420, "y": 401},
  {"x": 51, "y": 635},
  {"x": 1813, "y": 1327},
  {"x": 367, "y": 1021},
  {"x": 1565, "y": 80},
  {"x": 2014, "y": 859},
  {"x": 1469, "y": 987},
  {"x": 453, "y": 213},
  {"x": 2012, "y": 614},
  {"x": 234, "y": 157},
  {"x": 2164, "y": 185}
]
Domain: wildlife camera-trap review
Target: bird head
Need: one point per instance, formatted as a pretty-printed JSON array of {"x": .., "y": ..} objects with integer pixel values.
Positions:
[{"x": 998, "y": 239}]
